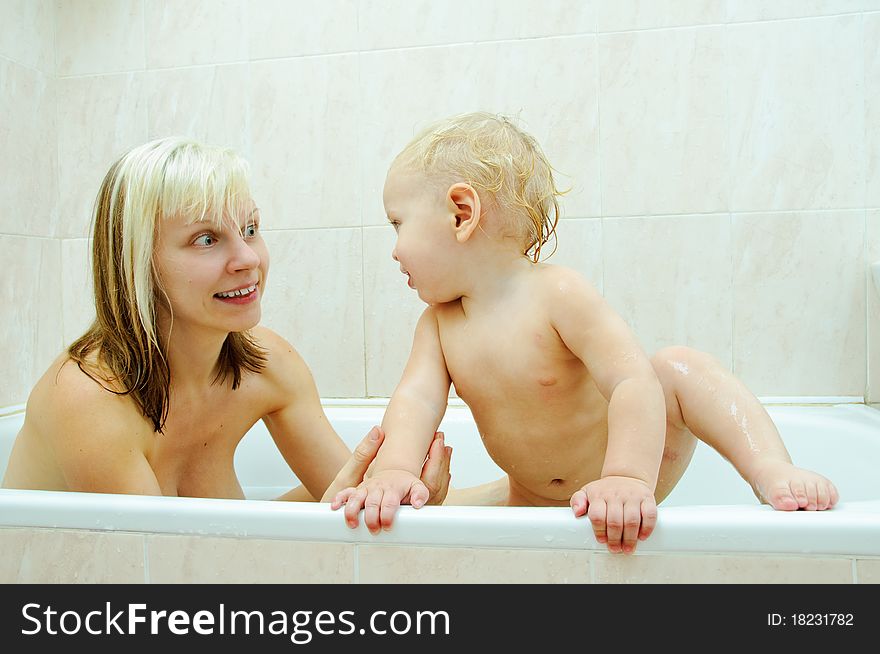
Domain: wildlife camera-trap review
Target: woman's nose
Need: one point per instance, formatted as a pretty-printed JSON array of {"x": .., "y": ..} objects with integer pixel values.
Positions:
[{"x": 244, "y": 257}]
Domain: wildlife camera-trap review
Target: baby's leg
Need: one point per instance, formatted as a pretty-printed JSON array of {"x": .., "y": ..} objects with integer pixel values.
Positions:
[{"x": 707, "y": 400}]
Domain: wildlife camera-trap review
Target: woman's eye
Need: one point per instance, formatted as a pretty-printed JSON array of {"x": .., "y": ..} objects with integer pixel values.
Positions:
[
  {"x": 251, "y": 230},
  {"x": 205, "y": 240}
]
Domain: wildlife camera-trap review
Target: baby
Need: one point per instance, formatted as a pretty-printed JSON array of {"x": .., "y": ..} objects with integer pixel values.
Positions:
[{"x": 566, "y": 401}]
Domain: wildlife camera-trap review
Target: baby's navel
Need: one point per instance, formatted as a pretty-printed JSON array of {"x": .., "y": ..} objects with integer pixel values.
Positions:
[{"x": 547, "y": 381}]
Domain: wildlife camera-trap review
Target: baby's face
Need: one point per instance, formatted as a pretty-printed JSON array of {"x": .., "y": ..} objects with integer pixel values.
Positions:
[{"x": 425, "y": 238}]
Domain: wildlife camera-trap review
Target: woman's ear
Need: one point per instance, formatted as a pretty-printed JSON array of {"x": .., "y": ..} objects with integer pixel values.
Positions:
[{"x": 464, "y": 206}]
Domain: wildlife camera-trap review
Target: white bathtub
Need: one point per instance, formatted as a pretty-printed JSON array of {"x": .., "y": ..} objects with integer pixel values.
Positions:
[{"x": 711, "y": 510}]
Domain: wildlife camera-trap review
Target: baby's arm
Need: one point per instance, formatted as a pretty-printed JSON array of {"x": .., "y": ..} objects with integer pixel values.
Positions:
[
  {"x": 621, "y": 503},
  {"x": 413, "y": 415}
]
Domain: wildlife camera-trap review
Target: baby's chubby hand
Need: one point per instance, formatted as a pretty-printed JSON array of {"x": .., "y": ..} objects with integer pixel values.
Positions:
[
  {"x": 380, "y": 496},
  {"x": 622, "y": 511}
]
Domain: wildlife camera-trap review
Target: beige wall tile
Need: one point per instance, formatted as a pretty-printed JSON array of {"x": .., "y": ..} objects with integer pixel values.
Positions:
[
  {"x": 872, "y": 394},
  {"x": 406, "y": 82},
  {"x": 459, "y": 565},
  {"x": 30, "y": 324},
  {"x": 580, "y": 245},
  {"x": 206, "y": 103},
  {"x": 663, "y": 122},
  {"x": 872, "y": 109},
  {"x": 53, "y": 556},
  {"x": 305, "y": 138},
  {"x": 188, "y": 32},
  {"x": 799, "y": 302},
  {"x": 797, "y": 114},
  {"x": 99, "y": 119},
  {"x": 756, "y": 10},
  {"x": 512, "y": 78},
  {"x": 99, "y": 36},
  {"x": 314, "y": 298},
  {"x": 720, "y": 569},
  {"x": 407, "y": 23},
  {"x": 194, "y": 559},
  {"x": 670, "y": 277},
  {"x": 648, "y": 14},
  {"x": 391, "y": 311},
  {"x": 518, "y": 78},
  {"x": 868, "y": 571},
  {"x": 77, "y": 291},
  {"x": 526, "y": 19},
  {"x": 291, "y": 28},
  {"x": 28, "y": 34},
  {"x": 28, "y": 161}
]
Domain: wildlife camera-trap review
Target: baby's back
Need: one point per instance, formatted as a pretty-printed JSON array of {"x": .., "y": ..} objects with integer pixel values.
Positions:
[{"x": 538, "y": 410}]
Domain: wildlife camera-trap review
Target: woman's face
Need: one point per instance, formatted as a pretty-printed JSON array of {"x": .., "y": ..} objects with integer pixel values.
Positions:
[{"x": 213, "y": 278}]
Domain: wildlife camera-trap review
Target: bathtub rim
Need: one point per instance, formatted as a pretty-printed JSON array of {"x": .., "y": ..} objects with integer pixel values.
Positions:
[
  {"x": 371, "y": 402},
  {"x": 850, "y": 529}
]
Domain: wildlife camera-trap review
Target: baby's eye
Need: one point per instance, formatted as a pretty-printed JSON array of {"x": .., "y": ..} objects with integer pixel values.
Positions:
[
  {"x": 251, "y": 230},
  {"x": 394, "y": 224},
  {"x": 205, "y": 240}
]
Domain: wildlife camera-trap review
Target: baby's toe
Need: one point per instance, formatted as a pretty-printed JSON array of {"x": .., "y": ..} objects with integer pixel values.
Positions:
[
  {"x": 782, "y": 498},
  {"x": 799, "y": 491},
  {"x": 823, "y": 493},
  {"x": 812, "y": 496}
]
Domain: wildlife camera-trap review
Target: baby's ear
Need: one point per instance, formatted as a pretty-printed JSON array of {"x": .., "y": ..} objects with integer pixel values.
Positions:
[{"x": 464, "y": 206}]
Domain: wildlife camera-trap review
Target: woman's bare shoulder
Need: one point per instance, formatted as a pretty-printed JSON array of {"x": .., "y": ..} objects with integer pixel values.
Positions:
[
  {"x": 72, "y": 394},
  {"x": 97, "y": 439},
  {"x": 286, "y": 372},
  {"x": 282, "y": 357}
]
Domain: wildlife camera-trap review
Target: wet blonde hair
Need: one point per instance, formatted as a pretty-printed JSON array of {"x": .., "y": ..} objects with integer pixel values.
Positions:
[
  {"x": 164, "y": 178},
  {"x": 496, "y": 157}
]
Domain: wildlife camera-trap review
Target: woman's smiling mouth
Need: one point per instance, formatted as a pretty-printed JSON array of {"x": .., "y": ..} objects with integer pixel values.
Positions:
[{"x": 242, "y": 295}]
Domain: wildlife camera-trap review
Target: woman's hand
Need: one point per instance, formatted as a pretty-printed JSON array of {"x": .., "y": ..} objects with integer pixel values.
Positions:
[{"x": 435, "y": 472}]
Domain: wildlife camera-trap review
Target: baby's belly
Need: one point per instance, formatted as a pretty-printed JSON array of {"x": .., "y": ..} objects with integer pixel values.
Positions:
[{"x": 548, "y": 462}]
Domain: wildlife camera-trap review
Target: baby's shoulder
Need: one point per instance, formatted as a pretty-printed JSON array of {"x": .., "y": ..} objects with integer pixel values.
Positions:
[{"x": 558, "y": 280}]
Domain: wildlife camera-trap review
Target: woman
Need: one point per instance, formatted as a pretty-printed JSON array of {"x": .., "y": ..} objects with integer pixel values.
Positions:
[{"x": 154, "y": 398}]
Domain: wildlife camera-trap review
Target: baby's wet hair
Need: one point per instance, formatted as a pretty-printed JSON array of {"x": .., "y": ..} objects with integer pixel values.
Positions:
[{"x": 498, "y": 158}]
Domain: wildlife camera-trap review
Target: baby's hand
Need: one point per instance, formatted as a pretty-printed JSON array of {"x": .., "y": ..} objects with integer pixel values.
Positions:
[
  {"x": 621, "y": 510},
  {"x": 379, "y": 496}
]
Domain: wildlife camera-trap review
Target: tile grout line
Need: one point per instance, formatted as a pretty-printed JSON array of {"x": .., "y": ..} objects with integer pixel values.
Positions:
[
  {"x": 357, "y": 564},
  {"x": 357, "y": 49},
  {"x": 358, "y": 129},
  {"x": 146, "y": 560},
  {"x": 866, "y": 388},
  {"x": 598, "y": 78},
  {"x": 730, "y": 231}
]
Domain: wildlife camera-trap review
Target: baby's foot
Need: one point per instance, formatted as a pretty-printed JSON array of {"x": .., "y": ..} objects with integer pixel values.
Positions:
[{"x": 786, "y": 487}]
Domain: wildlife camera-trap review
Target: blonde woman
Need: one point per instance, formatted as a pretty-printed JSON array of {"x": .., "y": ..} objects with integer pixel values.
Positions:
[{"x": 154, "y": 398}]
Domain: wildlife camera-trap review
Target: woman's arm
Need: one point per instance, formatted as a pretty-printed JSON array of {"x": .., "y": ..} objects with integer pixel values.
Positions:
[{"x": 297, "y": 422}]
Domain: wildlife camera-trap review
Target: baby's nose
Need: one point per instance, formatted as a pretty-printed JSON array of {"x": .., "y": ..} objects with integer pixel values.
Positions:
[{"x": 394, "y": 254}]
